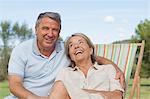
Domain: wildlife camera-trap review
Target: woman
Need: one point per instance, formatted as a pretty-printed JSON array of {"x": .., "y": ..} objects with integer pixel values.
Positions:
[{"x": 85, "y": 79}]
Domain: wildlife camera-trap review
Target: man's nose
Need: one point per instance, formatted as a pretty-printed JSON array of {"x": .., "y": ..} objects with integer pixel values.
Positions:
[{"x": 50, "y": 32}]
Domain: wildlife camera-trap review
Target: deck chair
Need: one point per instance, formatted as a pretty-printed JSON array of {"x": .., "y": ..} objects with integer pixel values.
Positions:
[{"x": 124, "y": 55}]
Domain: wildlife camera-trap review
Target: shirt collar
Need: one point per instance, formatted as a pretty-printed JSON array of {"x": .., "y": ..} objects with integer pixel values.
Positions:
[
  {"x": 76, "y": 68},
  {"x": 36, "y": 51}
]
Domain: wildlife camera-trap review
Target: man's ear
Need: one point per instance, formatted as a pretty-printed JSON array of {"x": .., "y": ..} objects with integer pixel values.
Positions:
[{"x": 36, "y": 31}]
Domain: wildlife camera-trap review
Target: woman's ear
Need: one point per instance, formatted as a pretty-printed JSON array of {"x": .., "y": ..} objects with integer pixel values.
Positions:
[{"x": 91, "y": 50}]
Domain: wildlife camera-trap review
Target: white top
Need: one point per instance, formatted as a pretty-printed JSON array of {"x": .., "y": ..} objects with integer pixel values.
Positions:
[{"x": 99, "y": 77}]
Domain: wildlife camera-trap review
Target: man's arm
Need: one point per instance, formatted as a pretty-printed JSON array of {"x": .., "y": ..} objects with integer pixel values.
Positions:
[
  {"x": 104, "y": 61},
  {"x": 119, "y": 73},
  {"x": 17, "y": 89}
]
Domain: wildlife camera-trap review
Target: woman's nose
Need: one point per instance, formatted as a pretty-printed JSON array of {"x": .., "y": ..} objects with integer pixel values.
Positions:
[{"x": 76, "y": 45}]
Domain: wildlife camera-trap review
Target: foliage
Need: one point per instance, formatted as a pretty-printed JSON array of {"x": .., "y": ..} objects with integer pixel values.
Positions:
[
  {"x": 143, "y": 33},
  {"x": 9, "y": 33},
  {"x": 22, "y": 31}
]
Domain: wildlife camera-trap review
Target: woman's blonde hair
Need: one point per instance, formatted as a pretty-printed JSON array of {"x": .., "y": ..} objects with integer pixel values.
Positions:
[{"x": 91, "y": 45}]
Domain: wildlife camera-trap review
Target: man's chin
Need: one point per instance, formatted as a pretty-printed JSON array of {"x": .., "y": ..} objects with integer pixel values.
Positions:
[{"x": 48, "y": 46}]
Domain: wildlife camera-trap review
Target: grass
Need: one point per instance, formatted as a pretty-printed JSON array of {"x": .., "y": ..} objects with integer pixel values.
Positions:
[
  {"x": 4, "y": 91},
  {"x": 145, "y": 89}
]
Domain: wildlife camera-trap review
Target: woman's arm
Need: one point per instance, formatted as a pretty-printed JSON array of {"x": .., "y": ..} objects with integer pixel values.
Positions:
[{"x": 107, "y": 94}]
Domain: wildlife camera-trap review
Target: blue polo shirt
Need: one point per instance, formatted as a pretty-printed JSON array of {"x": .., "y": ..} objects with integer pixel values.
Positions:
[{"x": 38, "y": 71}]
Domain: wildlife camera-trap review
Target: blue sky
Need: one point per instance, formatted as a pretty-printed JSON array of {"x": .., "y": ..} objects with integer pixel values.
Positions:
[{"x": 104, "y": 21}]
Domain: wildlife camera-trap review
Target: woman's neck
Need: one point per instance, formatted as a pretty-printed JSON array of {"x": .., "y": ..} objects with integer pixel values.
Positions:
[{"x": 84, "y": 66}]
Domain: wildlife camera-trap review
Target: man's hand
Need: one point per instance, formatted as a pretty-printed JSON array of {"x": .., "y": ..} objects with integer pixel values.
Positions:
[
  {"x": 119, "y": 73},
  {"x": 120, "y": 76}
]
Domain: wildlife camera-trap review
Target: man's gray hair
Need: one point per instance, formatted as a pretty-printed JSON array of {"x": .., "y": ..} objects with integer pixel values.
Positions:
[{"x": 53, "y": 15}]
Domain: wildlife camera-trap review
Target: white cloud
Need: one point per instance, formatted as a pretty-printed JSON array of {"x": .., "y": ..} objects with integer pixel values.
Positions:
[
  {"x": 121, "y": 31},
  {"x": 109, "y": 19}
]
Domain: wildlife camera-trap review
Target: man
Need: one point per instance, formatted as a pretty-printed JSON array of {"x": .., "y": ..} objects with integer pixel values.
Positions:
[{"x": 35, "y": 63}]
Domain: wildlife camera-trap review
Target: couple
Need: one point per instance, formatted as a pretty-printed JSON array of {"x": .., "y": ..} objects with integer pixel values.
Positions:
[
  {"x": 34, "y": 64},
  {"x": 84, "y": 78}
]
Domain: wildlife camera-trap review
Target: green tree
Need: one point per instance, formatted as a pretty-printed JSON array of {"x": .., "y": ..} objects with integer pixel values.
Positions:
[
  {"x": 8, "y": 33},
  {"x": 22, "y": 32},
  {"x": 143, "y": 33}
]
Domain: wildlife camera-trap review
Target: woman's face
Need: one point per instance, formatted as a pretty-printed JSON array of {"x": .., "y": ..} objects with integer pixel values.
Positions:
[{"x": 79, "y": 49}]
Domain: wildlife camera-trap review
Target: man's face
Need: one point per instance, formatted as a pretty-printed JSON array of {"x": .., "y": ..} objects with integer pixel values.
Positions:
[{"x": 47, "y": 33}]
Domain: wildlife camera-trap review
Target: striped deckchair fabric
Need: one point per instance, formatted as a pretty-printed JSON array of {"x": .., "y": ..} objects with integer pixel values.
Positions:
[{"x": 123, "y": 55}]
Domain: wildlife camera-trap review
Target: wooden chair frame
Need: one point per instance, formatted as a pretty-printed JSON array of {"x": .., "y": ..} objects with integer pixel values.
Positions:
[{"x": 136, "y": 80}]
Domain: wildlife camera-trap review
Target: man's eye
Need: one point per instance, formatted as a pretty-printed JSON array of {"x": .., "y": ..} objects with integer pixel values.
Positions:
[
  {"x": 56, "y": 30},
  {"x": 45, "y": 28}
]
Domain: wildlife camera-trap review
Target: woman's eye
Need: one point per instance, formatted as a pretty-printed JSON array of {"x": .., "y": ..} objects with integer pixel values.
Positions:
[
  {"x": 80, "y": 42},
  {"x": 70, "y": 45}
]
